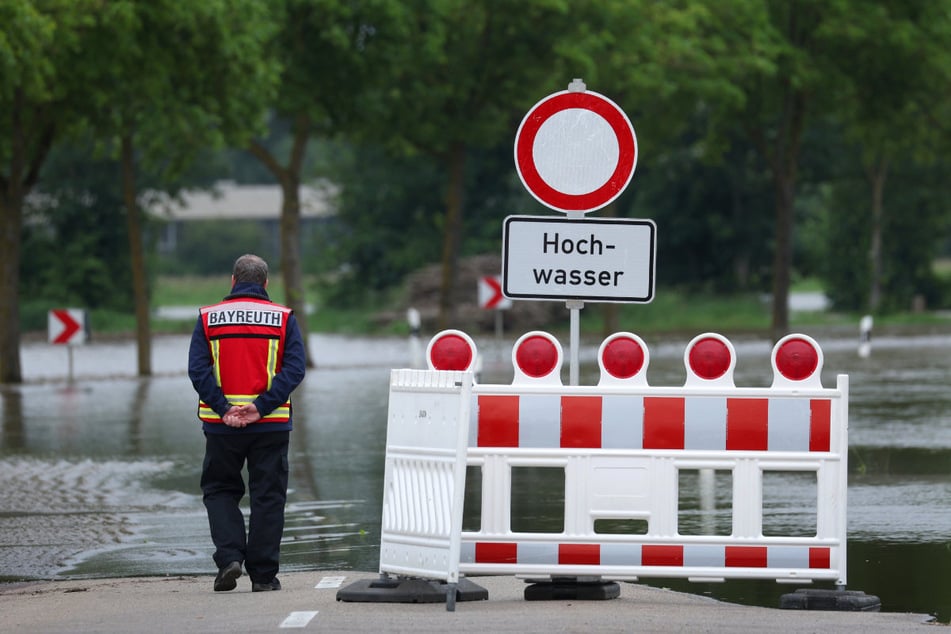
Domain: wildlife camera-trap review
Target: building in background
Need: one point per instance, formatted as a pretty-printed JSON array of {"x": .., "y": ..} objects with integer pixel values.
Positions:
[{"x": 199, "y": 228}]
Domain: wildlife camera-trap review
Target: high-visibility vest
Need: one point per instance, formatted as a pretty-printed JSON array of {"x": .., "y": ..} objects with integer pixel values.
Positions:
[{"x": 246, "y": 339}]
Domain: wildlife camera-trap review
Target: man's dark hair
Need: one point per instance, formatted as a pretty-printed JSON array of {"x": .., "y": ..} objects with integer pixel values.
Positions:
[{"x": 250, "y": 268}]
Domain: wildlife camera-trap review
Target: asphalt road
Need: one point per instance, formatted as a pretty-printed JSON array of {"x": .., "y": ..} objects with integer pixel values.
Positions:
[{"x": 309, "y": 602}]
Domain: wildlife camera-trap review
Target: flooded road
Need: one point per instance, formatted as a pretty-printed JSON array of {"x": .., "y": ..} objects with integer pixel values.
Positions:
[{"x": 99, "y": 476}]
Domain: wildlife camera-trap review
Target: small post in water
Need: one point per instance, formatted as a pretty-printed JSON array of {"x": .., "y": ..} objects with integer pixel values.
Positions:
[
  {"x": 415, "y": 347},
  {"x": 865, "y": 336}
]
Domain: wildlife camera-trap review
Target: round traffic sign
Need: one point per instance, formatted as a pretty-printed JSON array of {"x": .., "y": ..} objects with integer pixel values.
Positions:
[{"x": 575, "y": 151}]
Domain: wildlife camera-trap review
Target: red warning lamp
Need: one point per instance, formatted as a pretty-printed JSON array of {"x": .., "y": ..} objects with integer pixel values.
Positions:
[
  {"x": 710, "y": 358},
  {"x": 796, "y": 359},
  {"x": 536, "y": 356},
  {"x": 450, "y": 352},
  {"x": 622, "y": 358}
]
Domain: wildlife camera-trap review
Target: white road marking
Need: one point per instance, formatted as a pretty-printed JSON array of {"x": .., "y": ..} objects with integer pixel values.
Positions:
[
  {"x": 330, "y": 582},
  {"x": 298, "y": 619}
]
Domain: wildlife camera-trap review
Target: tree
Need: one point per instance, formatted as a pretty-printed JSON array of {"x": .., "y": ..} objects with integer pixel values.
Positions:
[
  {"x": 913, "y": 231},
  {"x": 466, "y": 74},
  {"x": 385, "y": 231},
  {"x": 669, "y": 65},
  {"x": 891, "y": 98},
  {"x": 42, "y": 97},
  {"x": 171, "y": 79},
  {"x": 773, "y": 115},
  {"x": 75, "y": 247},
  {"x": 782, "y": 65},
  {"x": 331, "y": 52},
  {"x": 661, "y": 62}
]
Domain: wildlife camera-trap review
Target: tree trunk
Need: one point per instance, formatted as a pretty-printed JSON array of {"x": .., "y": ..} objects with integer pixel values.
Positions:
[
  {"x": 28, "y": 151},
  {"x": 289, "y": 179},
  {"x": 876, "y": 175},
  {"x": 784, "y": 166},
  {"x": 782, "y": 257},
  {"x": 783, "y": 159},
  {"x": 452, "y": 233},
  {"x": 14, "y": 431},
  {"x": 143, "y": 333},
  {"x": 780, "y": 144},
  {"x": 11, "y": 224},
  {"x": 291, "y": 270}
]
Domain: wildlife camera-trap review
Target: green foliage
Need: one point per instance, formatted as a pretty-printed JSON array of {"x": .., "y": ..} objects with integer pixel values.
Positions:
[
  {"x": 384, "y": 230},
  {"x": 471, "y": 68},
  {"x": 180, "y": 76},
  {"x": 916, "y": 221},
  {"x": 192, "y": 290},
  {"x": 714, "y": 220},
  {"x": 391, "y": 215},
  {"x": 676, "y": 310},
  {"x": 75, "y": 250},
  {"x": 198, "y": 290},
  {"x": 38, "y": 41},
  {"x": 209, "y": 247},
  {"x": 387, "y": 88},
  {"x": 846, "y": 273}
]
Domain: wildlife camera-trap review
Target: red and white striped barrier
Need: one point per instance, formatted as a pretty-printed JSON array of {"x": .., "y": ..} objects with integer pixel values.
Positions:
[{"x": 621, "y": 447}]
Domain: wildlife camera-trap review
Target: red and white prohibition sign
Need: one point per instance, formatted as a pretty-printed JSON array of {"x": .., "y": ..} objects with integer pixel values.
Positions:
[{"x": 575, "y": 151}]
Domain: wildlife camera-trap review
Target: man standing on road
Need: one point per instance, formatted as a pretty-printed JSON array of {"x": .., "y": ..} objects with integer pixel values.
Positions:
[{"x": 246, "y": 357}]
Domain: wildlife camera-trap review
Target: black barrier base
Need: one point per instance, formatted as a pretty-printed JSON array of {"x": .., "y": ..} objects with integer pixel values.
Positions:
[
  {"x": 832, "y": 600},
  {"x": 571, "y": 588},
  {"x": 411, "y": 590}
]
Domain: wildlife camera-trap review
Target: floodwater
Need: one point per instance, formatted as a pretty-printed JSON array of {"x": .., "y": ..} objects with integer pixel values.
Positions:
[{"x": 99, "y": 474}]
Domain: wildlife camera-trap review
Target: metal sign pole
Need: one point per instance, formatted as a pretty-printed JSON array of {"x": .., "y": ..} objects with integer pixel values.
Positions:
[
  {"x": 574, "y": 306},
  {"x": 575, "y": 152}
]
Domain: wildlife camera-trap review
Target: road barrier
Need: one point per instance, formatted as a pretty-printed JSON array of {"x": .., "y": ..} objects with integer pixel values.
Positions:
[{"x": 622, "y": 460}]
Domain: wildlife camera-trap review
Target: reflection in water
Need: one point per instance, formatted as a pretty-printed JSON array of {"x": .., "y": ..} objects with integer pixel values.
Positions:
[
  {"x": 899, "y": 461},
  {"x": 319, "y": 530},
  {"x": 705, "y": 502},
  {"x": 100, "y": 478},
  {"x": 136, "y": 416},
  {"x": 906, "y": 577},
  {"x": 302, "y": 472},
  {"x": 12, "y": 430}
]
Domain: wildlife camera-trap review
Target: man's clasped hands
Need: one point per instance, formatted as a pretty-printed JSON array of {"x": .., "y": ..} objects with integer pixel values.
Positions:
[{"x": 241, "y": 415}]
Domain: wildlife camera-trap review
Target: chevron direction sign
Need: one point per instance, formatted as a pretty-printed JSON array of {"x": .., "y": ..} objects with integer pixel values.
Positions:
[{"x": 67, "y": 326}]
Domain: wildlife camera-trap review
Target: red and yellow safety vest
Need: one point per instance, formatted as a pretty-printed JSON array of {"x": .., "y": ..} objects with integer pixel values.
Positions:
[{"x": 246, "y": 338}]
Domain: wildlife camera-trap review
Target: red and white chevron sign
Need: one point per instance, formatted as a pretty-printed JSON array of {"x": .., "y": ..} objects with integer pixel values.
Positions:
[
  {"x": 490, "y": 293},
  {"x": 67, "y": 326}
]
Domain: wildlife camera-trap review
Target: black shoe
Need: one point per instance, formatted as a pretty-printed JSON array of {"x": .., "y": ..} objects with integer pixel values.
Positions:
[
  {"x": 270, "y": 586},
  {"x": 227, "y": 577}
]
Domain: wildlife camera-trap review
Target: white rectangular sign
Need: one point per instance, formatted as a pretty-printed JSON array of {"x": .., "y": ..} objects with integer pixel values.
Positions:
[{"x": 604, "y": 260}]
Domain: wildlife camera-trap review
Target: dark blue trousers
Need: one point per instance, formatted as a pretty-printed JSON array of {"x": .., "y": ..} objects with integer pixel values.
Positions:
[{"x": 222, "y": 484}]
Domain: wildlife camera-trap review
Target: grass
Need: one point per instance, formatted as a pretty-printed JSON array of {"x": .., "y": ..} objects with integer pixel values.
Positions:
[
  {"x": 682, "y": 312},
  {"x": 942, "y": 267},
  {"x": 676, "y": 312},
  {"x": 669, "y": 312},
  {"x": 193, "y": 290},
  {"x": 200, "y": 291}
]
